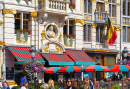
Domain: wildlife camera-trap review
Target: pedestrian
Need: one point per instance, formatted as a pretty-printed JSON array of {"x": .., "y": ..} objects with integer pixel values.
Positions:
[
  {"x": 73, "y": 84},
  {"x": 88, "y": 84},
  {"x": 5, "y": 85},
  {"x": 50, "y": 84},
  {"x": 68, "y": 84},
  {"x": 23, "y": 79},
  {"x": 44, "y": 85},
  {"x": 120, "y": 75},
  {"x": 24, "y": 85},
  {"x": 114, "y": 77}
]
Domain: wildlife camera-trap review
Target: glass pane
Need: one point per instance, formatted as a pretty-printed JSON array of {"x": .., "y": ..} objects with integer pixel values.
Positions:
[
  {"x": 99, "y": 59},
  {"x": 101, "y": 34},
  {"x": 97, "y": 34},
  {"x": 124, "y": 7},
  {"x": 128, "y": 35},
  {"x": 70, "y": 30},
  {"x": 84, "y": 38},
  {"x": 25, "y": 25},
  {"x": 65, "y": 29},
  {"x": 17, "y": 23},
  {"x": 113, "y": 10},
  {"x": 113, "y": 1},
  {"x": 124, "y": 34},
  {"x": 110, "y": 9},
  {"x": 89, "y": 33},
  {"x": 89, "y": 6},
  {"x": 129, "y": 8},
  {"x": 109, "y": 60},
  {"x": 85, "y": 6}
]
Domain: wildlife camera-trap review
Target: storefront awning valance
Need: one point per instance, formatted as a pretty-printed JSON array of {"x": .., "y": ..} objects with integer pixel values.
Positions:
[
  {"x": 80, "y": 57},
  {"x": 22, "y": 54},
  {"x": 58, "y": 59}
]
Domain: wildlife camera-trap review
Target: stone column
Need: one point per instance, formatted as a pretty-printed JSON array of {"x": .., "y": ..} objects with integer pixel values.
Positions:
[
  {"x": 34, "y": 28},
  {"x": 106, "y": 5},
  {"x": 78, "y": 31},
  {"x": 118, "y": 38},
  {"x": 118, "y": 11},
  {"x": 93, "y": 32},
  {"x": 93, "y": 9}
]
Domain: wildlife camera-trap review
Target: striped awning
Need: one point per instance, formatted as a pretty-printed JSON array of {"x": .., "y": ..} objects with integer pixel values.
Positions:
[
  {"x": 80, "y": 57},
  {"x": 22, "y": 54},
  {"x": 58, "y": 59}
]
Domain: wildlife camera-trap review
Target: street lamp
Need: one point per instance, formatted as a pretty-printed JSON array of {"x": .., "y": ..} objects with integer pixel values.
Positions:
[
  {"x": 125, "y": 52},
  {"x": 32, "y": 51}
]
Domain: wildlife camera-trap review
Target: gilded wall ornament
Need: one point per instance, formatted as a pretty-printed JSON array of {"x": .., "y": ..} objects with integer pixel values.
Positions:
[
  {"x": 22, "y": 39},
  {"x": 9, "y": 11},
  {"x": 94, "y": 25},
  {"x": 46, "y": 48},
  {"x": 1, "y": 23},
  {"x": 118, "y": 28},
  {"x": 106, "y": 2},
  {"x": 33, "y": 14},
  {"x": 117, "y": 4},
  {"x": 79, "y": 21},
  {"x": 57, "y": 49},
  {"x": 60, "y": 36},
  {"x": 43, "y": 34}
]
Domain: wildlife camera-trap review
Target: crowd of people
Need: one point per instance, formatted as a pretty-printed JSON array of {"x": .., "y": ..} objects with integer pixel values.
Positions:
[{"x": 69, "y": 84}]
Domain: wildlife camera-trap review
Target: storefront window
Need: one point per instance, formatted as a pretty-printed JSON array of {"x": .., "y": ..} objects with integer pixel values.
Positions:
[
  {"x": 109, "y": 60},
  {"x": 98, "y": 59}
]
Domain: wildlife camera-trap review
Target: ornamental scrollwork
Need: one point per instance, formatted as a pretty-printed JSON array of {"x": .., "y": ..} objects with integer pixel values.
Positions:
[
  {"x": 9, "y": 11},
  {"x": 43, "y": 34},
  {"x": 33, "y": 14},
  {"x": 46, "y": 48},
  {"x": 79, "y": 21}
]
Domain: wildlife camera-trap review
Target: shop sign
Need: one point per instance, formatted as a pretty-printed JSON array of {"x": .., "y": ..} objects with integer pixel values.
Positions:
[{"x": 9, "y": 73}]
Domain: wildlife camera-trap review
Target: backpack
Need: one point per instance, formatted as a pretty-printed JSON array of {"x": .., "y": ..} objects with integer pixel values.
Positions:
[{"x": 51, "y": 87}]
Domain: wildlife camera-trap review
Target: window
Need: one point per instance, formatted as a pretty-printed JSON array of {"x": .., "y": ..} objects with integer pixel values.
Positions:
[
  {"x": 87, "y": 6},
  {"x": 100, "y": 7},
  {"x": 126, "y": 7},
  {"x": 126, "y": 34},
  {"x": 99, "y": 34},
  {"x": 71, "y": 22},
  {"x": 87, "y": 33},
  {"x": 25, "y": 21},
  {"x": 112, "y": 8}
]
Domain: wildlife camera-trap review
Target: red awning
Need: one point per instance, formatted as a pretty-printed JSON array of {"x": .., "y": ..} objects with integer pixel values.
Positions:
[
  {"x": 80, "y": 57},
  {"x": 58, "y": 59},
  {"x": 22, "y": 54}
]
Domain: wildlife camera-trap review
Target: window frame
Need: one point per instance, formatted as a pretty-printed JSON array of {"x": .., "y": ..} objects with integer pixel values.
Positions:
[
  {"x": 99, "y": 33},
  {"x": 103, "y": 6},
  {"x": 88, "y": 6},
  {"x": 86, "y": 32},
  {"x": 24, "y": 19},
  {"x": 126, "y": 34},
  {"x": 125, "y": 8},
  {"x": 111, "y": 6}
]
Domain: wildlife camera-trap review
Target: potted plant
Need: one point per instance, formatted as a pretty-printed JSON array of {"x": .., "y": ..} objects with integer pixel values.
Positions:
[
  {"x": 72, "y": 6},
  {"x": 26, "y": 32},
  {"x": 18, "y": 31}
]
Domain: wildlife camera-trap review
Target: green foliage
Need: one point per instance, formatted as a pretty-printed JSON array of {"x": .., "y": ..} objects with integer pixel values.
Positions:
[
  {"x": 116, "y": 86},
  {"x": 15, "y": 87},
  {"x": 31, "y": 87},
  {"x": 40, "y": 87},
  {"x": 81, "y": 86},
  {"x": 56, "y": 87},
  {"x": 101, "y": 88}
]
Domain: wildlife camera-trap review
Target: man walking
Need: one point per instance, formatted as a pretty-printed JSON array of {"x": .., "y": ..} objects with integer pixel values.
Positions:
[{"x": 23, "y": 79}]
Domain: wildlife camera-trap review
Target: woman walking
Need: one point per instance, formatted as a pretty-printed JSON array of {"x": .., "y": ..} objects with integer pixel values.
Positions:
[{"x": 24, "y": 85}]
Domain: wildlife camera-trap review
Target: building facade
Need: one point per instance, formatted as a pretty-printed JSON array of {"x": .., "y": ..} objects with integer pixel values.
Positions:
[{"x": 54, "y": 26}]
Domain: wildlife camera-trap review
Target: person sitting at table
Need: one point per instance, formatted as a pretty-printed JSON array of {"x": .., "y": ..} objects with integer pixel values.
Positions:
[
  {"x": 114, "y": 77},
  {"x": 120, "y": 76}
]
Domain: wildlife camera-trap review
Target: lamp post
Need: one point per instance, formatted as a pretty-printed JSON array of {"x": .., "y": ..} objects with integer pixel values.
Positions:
[
  {"x": 125, "y": 52},
  {"x": 32, "y": 51}
]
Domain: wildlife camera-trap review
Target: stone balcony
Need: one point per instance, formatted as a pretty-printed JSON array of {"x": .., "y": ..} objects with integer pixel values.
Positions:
[
  {"x": 126, "y": 20},
  {"x": 100, "y": 17},
  {"x": 56, "y": 6}
]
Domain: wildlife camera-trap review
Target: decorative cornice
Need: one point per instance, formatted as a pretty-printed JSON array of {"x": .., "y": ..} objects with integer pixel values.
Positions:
[
  {"x": 106, "y": 2},
  {"x": 94, "y": 0},
  {"x": 9, "y": 11},
  {"x": 79, "y": 21},
  {"x": 99, "y": 50},
  {"x": 94, "y": 25},
  {"x": 33, "y": 14},
  {"x": 118, "y": 4}
]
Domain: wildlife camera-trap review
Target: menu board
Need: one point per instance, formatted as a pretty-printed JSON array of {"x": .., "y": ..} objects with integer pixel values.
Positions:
[{"x": 9, "y": 73}]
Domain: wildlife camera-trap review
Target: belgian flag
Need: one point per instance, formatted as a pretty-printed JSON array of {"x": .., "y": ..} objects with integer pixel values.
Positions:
[{"x": 111, "y": 33}]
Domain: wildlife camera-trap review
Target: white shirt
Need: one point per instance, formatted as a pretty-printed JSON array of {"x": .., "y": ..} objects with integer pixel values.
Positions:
[{"x": 23, "y": 87}]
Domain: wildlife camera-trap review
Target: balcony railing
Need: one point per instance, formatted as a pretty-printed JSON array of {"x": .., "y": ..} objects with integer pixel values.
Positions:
[
  {"x": 101, "y": 17},
  {"x": 53, "y": 4},
  {"x": 126, "y": 20}
]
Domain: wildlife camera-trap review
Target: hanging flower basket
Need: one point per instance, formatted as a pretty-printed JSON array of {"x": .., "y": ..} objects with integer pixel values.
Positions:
[{"x": 32, "y": 67}]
